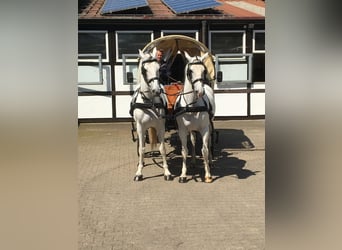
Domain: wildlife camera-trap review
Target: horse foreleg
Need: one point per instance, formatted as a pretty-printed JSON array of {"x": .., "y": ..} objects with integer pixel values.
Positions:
[
  {"x": 183, "y": 138},
  {"x": 210, "y": 147},
  {"x": 193, "y": 150},
  {"x": 210, "y": 153},
  {"x": 205, "y": 153},
  {"x": 141, "y": 139},
  {"x": 211, "y": 144},
  {"x": 162, "y": 150}
]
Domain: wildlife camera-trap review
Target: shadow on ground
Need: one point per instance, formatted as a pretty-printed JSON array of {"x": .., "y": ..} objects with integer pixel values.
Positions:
[{"x": 224, "y": 164}]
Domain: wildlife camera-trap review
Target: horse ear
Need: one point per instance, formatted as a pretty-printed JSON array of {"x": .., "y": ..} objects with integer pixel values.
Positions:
[
  {"x": 154, "y": 52},
  {"x": 187, "y": 56},
  {"x": 141, "y": 53},
  {"x": 204, "y": 56}
]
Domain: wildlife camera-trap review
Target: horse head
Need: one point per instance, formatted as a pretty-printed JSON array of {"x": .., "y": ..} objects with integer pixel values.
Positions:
[
  {"x": 150, "y": 71},
  {"x": 196, "y": 72}
]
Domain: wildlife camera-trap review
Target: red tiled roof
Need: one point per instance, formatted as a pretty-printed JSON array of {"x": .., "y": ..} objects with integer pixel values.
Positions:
[
  {"x": 239, "y": 12},
  {"x": 158, "y": 8},
  {"x": 91, "y": 9}
]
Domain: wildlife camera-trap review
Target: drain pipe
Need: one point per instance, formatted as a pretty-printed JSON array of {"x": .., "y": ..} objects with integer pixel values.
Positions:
[{"x": 204, "y": 32}]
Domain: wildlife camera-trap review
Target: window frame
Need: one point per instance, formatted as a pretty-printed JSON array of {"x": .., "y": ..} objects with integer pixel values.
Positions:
[
  {"x": 132, "y": 61},
  {"x": 100, "y": 69},
  {"x": 106, "y": 59},
  {"x": 230, "y": 31},
  {"x": 253, "y": 46},
  {"x": 230, "y": 57},
  {"x": 181, "y": 32},
  {"x": 130, "y": 32}
]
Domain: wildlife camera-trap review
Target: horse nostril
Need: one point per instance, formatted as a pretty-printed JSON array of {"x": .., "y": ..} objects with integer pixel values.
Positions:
[{"x": 156, "y": 91}]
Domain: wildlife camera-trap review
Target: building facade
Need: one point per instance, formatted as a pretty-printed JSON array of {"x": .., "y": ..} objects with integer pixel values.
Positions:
[{"x": 110, "y": 33}]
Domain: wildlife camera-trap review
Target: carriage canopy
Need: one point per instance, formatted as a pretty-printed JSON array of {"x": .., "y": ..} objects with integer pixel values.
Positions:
[{"x": 175, "y": 45}]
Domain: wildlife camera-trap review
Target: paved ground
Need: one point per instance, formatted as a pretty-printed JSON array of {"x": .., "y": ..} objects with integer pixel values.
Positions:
[{"x": 118, "y": 213}]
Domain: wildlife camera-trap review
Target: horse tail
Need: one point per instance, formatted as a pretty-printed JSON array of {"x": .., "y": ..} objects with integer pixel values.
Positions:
[{"x": 152, "y": 134}]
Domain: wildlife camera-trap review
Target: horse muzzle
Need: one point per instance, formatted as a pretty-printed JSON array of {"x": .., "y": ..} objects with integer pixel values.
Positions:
[
  {"x": 199, "y": 93},
  {"x": 155, "y": 92}
]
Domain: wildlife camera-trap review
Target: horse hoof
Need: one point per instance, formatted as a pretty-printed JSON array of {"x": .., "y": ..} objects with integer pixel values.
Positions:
[
  {"x": 182, "y": 180},
  {"x": 138, "y": 178},
  {"x": 208, "y": 180},
  {"x": 168, "y": 177}
]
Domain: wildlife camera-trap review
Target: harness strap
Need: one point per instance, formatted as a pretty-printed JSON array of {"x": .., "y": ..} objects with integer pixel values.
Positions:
[
  {"x": 196, "y": 80},
  {"x": 145, "y": 106},
  {"x": 151, "y": 80},
  {"x": 182, "y": 110}
]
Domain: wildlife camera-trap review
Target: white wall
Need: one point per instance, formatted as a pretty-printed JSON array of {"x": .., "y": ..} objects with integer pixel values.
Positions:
[
  {"x": 227, "y": 104},
  {"x": 119, "y": 80},
  {"x": 90, "y": 73},
  {"x": 95, "y": 107},
  {"x": 123, "y": 106},
  {"x": 257, "y": 103},
  {"x": 258, "y": 100},
  {"x": 231, "y": 104}
]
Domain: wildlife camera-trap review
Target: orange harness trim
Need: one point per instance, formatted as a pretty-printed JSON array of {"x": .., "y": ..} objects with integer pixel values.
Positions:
[{"x": 172, "y": 92}]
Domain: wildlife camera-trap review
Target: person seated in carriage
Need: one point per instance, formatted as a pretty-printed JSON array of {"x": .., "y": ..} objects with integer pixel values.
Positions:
[
  {"x": 163, "y": 70},
  {"x": 170, "y": 71}
]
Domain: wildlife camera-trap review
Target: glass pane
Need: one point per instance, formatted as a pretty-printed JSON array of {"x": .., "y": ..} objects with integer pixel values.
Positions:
[
  {"x": 259, "y": 67},
  {"x": 222, "y": 43},
  {"x": 89, "y": 43},
  {"x": 131, "y": 43},
  {"x": 259, "y": 41}
]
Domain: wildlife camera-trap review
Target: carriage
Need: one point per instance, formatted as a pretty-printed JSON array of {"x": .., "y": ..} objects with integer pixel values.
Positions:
[{"x": 184, "y": 103}]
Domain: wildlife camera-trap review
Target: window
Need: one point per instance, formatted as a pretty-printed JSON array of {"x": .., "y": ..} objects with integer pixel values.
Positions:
[
  {"x": 233, "y": 70},
  {"x": 93, "y": 43},
  {"x": 259, "y": 55},
  {"x": 229, "y": 48},
  {"x": 90, "y": 73},
  {"x": 223, "y": 42},
  {"x": 190, "y": 33},
  {"x": 129, "y": 42},
  {"x": 258, "y": 41},
  {"x": 130, "y": 66},
  {"x": 92, "y": 52}
]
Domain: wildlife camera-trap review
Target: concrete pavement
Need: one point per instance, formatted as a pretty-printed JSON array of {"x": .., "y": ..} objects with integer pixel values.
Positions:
[{"x": 118, "y": 213}]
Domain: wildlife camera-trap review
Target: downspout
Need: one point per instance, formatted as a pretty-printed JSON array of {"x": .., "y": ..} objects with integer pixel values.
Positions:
[{"x": 204, "y": 32}]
